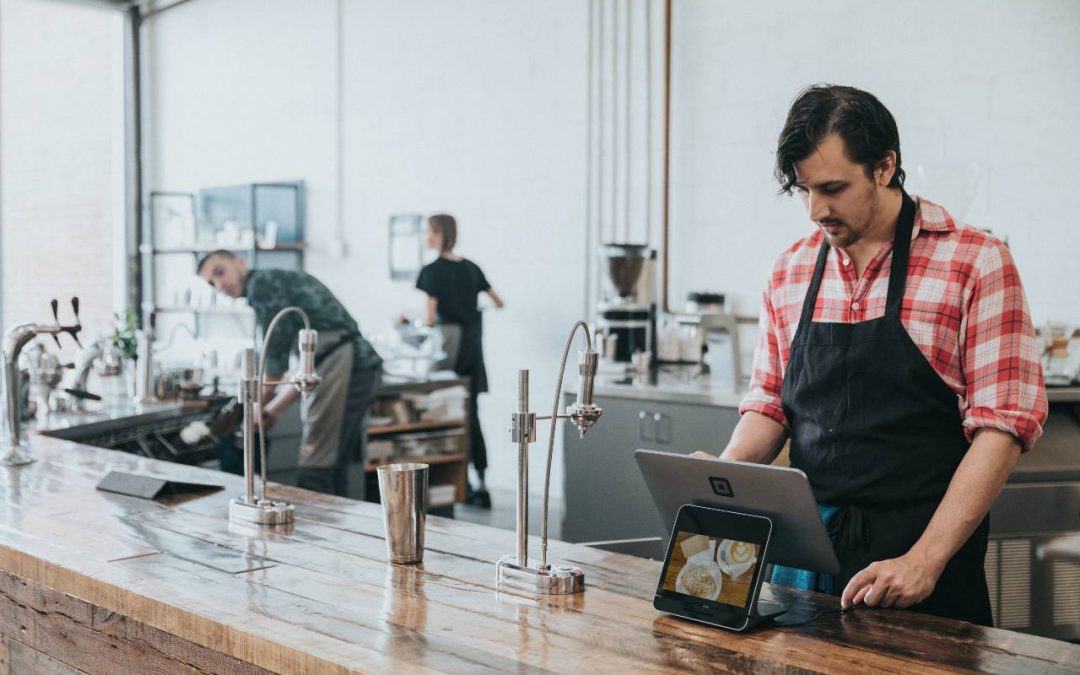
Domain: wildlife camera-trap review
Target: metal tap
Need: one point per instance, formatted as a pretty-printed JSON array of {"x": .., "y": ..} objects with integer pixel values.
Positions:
[
  {"x": 144, "y": 374},
  {"x": 517, "y": 570},
  {"x": 17, "y": 338},
  {"x": 258, "y": 509},
  {"x": 83, "y": 365}
]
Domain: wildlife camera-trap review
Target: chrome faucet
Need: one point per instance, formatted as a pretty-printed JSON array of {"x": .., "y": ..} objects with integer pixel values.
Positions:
[
  {"x": 144, "y": 372},
  {"x": 258, "y": 509},
  {"x": 83, "y": 365},
  {"x": 18, "y": 337},
  {"x": 517, "y": 570}
]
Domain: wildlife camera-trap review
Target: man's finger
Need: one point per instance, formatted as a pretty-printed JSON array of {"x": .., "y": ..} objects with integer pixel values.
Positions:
[
  {"x": 702, "y": 454},
  {"x": 858, "y": 582},
  {"x": 860, "y": 597},
  {"x": 873, "y": 595}
]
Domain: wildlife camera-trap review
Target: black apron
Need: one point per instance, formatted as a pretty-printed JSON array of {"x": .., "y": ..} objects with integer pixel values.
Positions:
[
  {"x": 470, "y": 356},
  {"x": 470, "y": 364},
  {"x": 879, "y": 434}
]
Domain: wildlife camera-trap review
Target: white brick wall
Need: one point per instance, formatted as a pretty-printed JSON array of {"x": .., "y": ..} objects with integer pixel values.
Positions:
[{"x": 59, "y": 173}]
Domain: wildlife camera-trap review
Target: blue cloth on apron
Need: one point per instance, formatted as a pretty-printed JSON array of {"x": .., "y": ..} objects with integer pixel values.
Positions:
[{"x": 805, "y": 580}]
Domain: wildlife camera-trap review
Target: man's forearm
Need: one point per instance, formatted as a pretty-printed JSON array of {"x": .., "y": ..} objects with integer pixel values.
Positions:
[
  {"x": 974, "y": 487},
  {"x": 283, "y": 400},
  {"x": 757, "y": 438}
]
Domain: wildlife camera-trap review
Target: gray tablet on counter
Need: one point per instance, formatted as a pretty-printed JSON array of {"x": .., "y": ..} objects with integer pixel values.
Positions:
[{"x": 782, "y": 494}]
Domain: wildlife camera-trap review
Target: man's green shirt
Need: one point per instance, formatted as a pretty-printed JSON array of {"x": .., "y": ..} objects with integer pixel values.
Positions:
[{"x": 270, "y": 291}]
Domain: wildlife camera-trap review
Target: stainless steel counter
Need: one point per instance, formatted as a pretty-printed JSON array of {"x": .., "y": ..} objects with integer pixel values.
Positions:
[
  {"x": 93, "y": 420},
  {"x": 151, "y": 430},
  {"x": 686, "y": 384},
  {"x": 673, "y": 384}
]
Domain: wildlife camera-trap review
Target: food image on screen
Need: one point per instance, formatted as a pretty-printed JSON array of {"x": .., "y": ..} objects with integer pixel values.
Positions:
[
  {"x": 711, "y": 568},
  {"x": 698, "y": 581}
]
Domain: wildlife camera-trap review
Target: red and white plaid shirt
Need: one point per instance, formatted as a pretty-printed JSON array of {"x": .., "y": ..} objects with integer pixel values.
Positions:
[{"x": 963, "y": 307}]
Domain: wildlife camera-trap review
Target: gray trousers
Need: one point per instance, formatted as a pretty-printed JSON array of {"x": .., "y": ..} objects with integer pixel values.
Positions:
[{"x": 335, "y": 424}]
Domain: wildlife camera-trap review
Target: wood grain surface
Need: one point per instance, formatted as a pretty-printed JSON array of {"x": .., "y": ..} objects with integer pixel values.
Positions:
[{"x": 104, "y": 583}]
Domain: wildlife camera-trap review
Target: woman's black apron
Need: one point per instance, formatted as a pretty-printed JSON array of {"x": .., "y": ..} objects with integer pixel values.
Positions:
[
  {"x": 879, "y": 434},
  {"x": 470, "y": 364}
]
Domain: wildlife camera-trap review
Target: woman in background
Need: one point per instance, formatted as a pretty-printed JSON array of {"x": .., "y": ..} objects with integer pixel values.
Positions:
[{"x": 452, "y": 284}]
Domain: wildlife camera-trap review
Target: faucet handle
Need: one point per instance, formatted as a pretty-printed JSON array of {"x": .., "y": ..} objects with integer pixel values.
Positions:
[
  {"x": 55, "y": 310},
  {"x": 74, "y": 330}
]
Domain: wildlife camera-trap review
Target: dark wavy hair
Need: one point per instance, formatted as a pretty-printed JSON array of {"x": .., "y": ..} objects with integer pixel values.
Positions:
[{"x": 858, "y": 117}]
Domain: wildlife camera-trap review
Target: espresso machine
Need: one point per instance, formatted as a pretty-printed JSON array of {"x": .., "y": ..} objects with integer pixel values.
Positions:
[
  {"x": 628, "y": 308},
  {"x": 704, "y": 333}
]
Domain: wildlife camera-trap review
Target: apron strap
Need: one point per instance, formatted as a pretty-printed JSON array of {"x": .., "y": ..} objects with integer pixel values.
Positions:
[
  {"x": 901, "y": 252},
  {"x": 897, "y": 275},
  {"x": 815, "y": 283}
]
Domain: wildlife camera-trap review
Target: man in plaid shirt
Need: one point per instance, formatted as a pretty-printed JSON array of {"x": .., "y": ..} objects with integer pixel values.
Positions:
[{"x": 896, "y": 352}]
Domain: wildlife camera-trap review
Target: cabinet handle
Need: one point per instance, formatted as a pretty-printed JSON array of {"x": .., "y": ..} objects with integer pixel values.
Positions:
[
  {"x": 663, "y": 427},
  {"x": 646, "y": 427}
]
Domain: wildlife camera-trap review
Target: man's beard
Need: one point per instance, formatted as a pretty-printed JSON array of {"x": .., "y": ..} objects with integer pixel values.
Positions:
[{"x": 848, "y": 235}]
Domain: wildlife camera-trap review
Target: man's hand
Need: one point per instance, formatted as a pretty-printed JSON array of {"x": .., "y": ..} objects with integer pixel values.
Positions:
[
  {"x": 898, "y": 582},
  {"x": 701, "y": 454},
  {"x": 266, "y": 417}
]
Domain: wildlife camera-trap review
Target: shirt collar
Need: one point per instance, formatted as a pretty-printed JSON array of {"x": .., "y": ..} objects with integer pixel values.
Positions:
[{"x": 931, "y": 217}]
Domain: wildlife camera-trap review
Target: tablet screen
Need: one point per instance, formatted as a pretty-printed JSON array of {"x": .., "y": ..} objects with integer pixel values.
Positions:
[
  {"x": 711, "y": 568},
  {"x": 714, "y": 556}
]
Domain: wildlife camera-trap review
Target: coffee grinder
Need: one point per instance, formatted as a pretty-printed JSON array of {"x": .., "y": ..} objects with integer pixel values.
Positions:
[{"x": 628, "y": 309}]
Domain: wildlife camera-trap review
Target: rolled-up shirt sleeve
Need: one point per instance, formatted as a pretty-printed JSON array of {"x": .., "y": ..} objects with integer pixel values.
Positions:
[
  {"x": 1001, "y": 355},
  {"x": 767, "y": 375}
]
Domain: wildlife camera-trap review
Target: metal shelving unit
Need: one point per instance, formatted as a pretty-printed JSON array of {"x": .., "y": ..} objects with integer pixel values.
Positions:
[{"x": 248, "y": 207}]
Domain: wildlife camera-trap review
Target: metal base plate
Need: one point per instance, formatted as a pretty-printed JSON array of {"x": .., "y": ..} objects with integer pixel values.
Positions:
[
  {"x": 556, "y": 580},
  {"x": 261, "y": 512},
  {"x": 14, "y": 455}
]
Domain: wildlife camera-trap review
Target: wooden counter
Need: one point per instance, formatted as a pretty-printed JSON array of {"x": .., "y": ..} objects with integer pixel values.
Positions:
[{"x": 104, "y": 583}]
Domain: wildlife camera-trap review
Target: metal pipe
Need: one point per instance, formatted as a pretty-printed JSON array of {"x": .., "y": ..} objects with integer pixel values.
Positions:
[
  {"x": 614, "y": 119},
  {"x": 134, "y": 164},
  {"x": 523, "y": 468},
  {"x": 627, "y": 92},
  {"x": 664, "y": 234},
  {"x": 648, "y": 127},
  {"x": 247, "y": 384},
  {"x": 589, "y": 164},
  {"x": 600, "y": 125}
]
